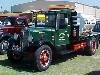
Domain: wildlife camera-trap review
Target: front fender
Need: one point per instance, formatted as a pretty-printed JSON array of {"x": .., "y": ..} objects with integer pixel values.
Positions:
[
  {"x": 5, "y": 36},
  {"x": 38, "y": 44}
]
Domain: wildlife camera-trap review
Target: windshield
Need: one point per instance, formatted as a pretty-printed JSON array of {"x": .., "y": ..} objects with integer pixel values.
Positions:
[
  {"x": 13, "y": 21},
  {"x": 45, "y": 20},
  {"x": 40, "y": 19},
  {"x": 51, "y": 20},
  {"x": 6, "y": 21},
  {"x": 21, "y": 22}
]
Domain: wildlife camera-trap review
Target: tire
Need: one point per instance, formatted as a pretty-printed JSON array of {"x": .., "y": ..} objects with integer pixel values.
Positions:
[
  {"x": 43, "y": 58},
  {"x": 97, "y": 42},
  {"x": 91, "y": 47},
  {"x": 15, "y": 56}
]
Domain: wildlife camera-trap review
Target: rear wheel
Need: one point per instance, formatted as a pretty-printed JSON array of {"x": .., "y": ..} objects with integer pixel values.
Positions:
[
  {"x": 91, "y": 47},
  {"x": 43, "y": 58},
  {"x": 97, "y": 43}
]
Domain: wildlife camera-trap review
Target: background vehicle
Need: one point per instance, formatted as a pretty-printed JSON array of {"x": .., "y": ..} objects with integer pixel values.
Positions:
[
  {"x": 96, "y": 29},
  {"x": 86, "y": 22},
  {"x": 10, "y": 26},
  {"x": 56, "y": 32}
]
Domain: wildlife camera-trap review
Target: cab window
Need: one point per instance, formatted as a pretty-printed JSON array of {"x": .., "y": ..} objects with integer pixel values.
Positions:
[
  {"x": 62, "y": 20},
  {"x": 6, "y": 22},
  {"x": 51, "y": 20}
]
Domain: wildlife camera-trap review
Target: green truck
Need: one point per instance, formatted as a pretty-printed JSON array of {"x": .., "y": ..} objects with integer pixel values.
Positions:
[{"x": 55, "y": 32}]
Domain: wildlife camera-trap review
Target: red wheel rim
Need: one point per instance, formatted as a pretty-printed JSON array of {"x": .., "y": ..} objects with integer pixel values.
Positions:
[
  {"x": 94, "y": 46},
  {"x": 44, "y": 58}
]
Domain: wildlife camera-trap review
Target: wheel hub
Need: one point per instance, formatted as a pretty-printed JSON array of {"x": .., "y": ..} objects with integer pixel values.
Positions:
[{"x": 44, "y": 58}]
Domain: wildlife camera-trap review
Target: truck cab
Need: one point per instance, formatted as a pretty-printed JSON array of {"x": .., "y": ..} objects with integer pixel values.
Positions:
[
  {"x": 55, "y": 32},
  {"x": 58, "y": 27}
]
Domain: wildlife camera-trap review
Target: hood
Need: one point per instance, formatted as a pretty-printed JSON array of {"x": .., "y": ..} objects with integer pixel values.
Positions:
[{"x": 41, "y": 33}]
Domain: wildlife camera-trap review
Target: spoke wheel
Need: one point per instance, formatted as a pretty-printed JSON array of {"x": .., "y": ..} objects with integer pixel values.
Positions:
[
  {"x": 91, "y": 47},
  {"x": 43, "y": 58},
  {"x": 14, "y": 54}
]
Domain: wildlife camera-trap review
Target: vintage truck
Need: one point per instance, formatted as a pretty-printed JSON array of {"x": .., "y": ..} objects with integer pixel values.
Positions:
[
  {"x": 10, "y": 26},
  {"x": 55, "y": 32}
]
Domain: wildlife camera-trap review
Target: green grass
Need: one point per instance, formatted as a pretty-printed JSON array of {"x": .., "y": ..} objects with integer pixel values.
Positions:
[{"x": 67, "y": 65}]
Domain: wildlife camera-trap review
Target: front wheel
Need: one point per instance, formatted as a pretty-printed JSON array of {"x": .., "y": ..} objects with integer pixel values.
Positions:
[
  {"x": 14, "y": 57},
  {"x": 43, "y": 58},
  {"x": 14, "y": 52},
  {"x": 91, "y": 47}
]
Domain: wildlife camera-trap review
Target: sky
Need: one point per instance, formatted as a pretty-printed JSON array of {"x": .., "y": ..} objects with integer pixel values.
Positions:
[{"x": 6, "y": 4}]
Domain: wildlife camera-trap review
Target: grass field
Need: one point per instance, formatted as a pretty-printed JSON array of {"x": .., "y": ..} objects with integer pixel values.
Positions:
[{"x": 71, "y": 64}]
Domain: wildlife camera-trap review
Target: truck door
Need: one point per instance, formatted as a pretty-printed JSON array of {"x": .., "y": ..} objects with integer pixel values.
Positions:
[{"x": 63, "y": 30}]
